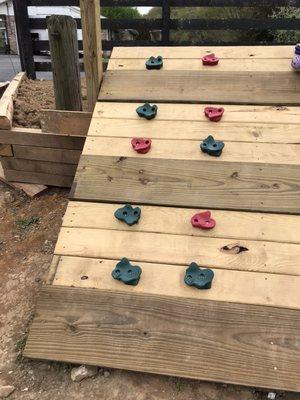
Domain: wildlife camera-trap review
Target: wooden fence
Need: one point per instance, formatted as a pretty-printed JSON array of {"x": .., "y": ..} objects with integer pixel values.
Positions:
[{"x": 29, "y": 46}]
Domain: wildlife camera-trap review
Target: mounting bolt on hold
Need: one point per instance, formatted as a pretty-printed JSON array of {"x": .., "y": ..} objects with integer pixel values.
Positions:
[
  {"x": 201, "y": 278},
  {"x": 154, "y": 62},
  {"x": 296, "y": 58},
  {"x": 141, "y": 145},
  {"x": 203, "y": 220},
  {"x": 147, "y": 111},
  {"x": 210, "y": 60},
  {"x": 127, "y": 273},
  {"x": 214, "y": 113},
  {"x": 128, "y": 214},
  {"x": 212, "y": 147}
]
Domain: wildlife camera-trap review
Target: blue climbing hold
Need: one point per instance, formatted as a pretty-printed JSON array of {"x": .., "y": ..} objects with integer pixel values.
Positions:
[
  {"x": 128, "y": 214},
  {"x": 154, "y": 62},
  {"x": 212, "y": 147},
  {"x": 147, "y": 111},
  {"x": 126, "y": 272},
  {"x": 201, "y": 278}
]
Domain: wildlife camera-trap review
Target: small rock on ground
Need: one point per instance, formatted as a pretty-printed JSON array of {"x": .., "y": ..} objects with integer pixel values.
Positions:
[
  {"x": 83, "y": 372},
  {"x": 5, "y": 391},
  {"x": 106, "y": 373},
  {"x": 271, "y": 395}
]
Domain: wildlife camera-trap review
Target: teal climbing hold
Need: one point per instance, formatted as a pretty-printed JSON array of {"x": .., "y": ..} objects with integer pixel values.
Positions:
[
  {"x": 128, "y": 214},
  {"x": 201, "y": 278},
  {"x": 147, "y": 111},
  {"x": 154, "y": 62},
  {"x": 126, "y": 272}
]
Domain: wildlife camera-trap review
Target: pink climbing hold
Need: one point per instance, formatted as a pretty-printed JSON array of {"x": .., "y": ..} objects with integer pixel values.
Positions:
[
  {"x": 210, "y": 59},
  {"x": 203, "y": 220},
  {"x": 214, "y": 113},
  {"x": 141, "y": 145}
]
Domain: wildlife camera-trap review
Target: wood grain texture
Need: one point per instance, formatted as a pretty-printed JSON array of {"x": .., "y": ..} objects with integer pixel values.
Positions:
[
  {"x": 195, "y": 112},
  {"x": 239, "y": 186},
  {"x": 46, "y": 167},
  {"x": 164, "y": 279},
  {"x": 199, "y": 87},
  {"x": 194, "y": 130},
  {"x": 266, "y": 153},
  {"x": 7, "y": 101},
  {"x": 176, "y": 221},
  {"x": 38, "y": 178},
  {"x": 6, "y": 150},
  {"x": 175, "y": 64},
  {"x": 36, "y": 138},
  {"x": 195, "y": 52},
  {"x": 163, "y": 248},
  {"x": 218, "y": 341},
  {"x": 47, "y": 154},
  {"x": 65, "y": 122}
]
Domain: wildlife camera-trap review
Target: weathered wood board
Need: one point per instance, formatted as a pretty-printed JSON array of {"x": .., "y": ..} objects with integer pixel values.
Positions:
[{"x": 211, "y": 340}]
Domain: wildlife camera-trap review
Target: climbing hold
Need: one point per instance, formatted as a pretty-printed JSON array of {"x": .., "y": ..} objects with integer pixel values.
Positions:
[
  {"x": 203, "y": 220},
  {"x": 214, "y": 113},
  {"x": 128, "y": 214},
  {"x": 141, "y": 145},
  {"x": 127, "y": 273},
  {"x": 210, "y": 60},
  {"x": 212, "y": 147},
  {"x": 201, "y": 278},
  {"x": 154, "y": 62},
  {"x": 296, "y": 58},
  {"x": 147, "y": 111}
]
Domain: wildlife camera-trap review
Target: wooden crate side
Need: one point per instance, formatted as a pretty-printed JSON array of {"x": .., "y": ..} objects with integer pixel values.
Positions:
[
  {"x": 39, "y": 178},
  {"x": 36, "y": 138},
  {"x": 65, "y": 122},
  {"x": 45, "y": 167},
  {"x": 47, "y": 154},
  {"x": 176, "y": 221},
  {"x": 7, "y": 101},
  {"x": 260, "y": 256},
  {"x": 217, "y": 341},
  {"x": 165, "y": 279},
  {"x": 199, "y": 87},
  {"x": 239, "y": 186},
  {"x": 6, "y": 150}
]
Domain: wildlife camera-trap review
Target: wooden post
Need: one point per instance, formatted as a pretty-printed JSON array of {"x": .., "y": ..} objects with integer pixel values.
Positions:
[
  {"x": 24, "y": 37},
  {"x": 92, "y": 48},
  {"x": 65, "y": 62},
  {"x": 166, "y": 18}
]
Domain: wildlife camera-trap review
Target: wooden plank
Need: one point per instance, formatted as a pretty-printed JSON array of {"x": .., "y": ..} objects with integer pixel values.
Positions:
[
  {"x": 91, "y": 32},
  {"x": 39, "y": 178},
  {"x": 250, "y": 65},
  {"x": 46, "y": 167},
  {"x": 6, "y": 150},
  {"x": 163, "y": 279},
  {"x": 7, "y": 101},
  {"x": 196, "y": 52},
  {"x": 238, "y": 186},
  {"x": 35, "y": 137},
  {"x": 65, "y": 122},
  {"x": 30, "y": 189},
  {"x": 266, "y": 153},
  {"x": 176, "y": 221},
  {"x": 47, "y": 154},
  {"x": 52, "y": 269},
  {"x": 194, "y": 130},
  {"x": 198, "y": 87},
  {"x": 218, "y": 341},
  {"x": 195, "y": 112},
  {"x": 179, "y": 249}
]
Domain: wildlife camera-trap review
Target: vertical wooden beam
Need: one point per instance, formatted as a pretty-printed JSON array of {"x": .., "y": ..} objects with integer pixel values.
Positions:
[
  {"x": 65, "y": 62},
  {"x": 24, "y": 37},
  {"x": 165, "y": 33},
  {"x": 92, "y": 48}
]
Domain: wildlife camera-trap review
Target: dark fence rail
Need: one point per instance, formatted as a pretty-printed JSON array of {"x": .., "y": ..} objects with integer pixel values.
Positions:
[{"x": 165, "y": 26}]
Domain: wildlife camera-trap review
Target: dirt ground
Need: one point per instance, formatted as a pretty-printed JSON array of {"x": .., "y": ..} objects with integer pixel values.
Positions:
[
  {"x": 28, "y": 232},
  {"x": 33, "y": 96}
]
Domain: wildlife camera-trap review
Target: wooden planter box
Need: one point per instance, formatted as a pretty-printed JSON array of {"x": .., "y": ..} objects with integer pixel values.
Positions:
[{"x": 47, "y": 156}]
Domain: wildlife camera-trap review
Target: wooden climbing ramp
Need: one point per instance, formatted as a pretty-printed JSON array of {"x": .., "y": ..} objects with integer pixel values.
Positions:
[{"x": 245, "y": 329}]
